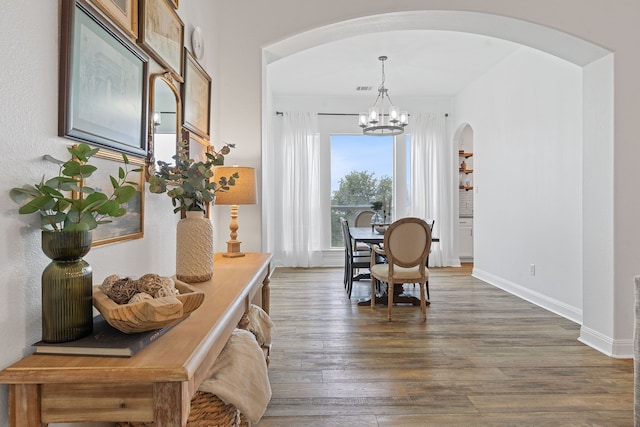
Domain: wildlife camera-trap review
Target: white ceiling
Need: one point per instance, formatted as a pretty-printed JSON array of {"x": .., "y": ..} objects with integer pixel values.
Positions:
[{"x": 420, "y": 63}]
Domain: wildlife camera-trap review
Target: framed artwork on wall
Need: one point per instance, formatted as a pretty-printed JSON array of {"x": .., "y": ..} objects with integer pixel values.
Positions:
[
  {"x": 103, "y": 83},
  {"x": 162, "y": 34},
  {"x": 196, "y": 96},
  {"x": 131, "y": 225},
  {"x": 123, "y": 12}
]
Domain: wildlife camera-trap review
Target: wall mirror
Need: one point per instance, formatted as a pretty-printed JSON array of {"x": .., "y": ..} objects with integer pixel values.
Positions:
[{"x": 164, "y": 119}]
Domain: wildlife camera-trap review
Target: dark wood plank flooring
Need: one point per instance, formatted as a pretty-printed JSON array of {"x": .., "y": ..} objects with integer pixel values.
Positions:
[{"x": 483, "y": 358}]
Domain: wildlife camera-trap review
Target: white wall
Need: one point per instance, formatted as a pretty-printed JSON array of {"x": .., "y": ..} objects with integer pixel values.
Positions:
[
  {"x": 235, "y": 34},
  {"x": 599, "y": 253},
  {"x": 29, "y": 120},
  {"x": 526, "y": 114}
]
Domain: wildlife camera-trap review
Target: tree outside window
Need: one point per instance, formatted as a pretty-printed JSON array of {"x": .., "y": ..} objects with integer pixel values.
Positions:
[{"x": 369, "y": 180}]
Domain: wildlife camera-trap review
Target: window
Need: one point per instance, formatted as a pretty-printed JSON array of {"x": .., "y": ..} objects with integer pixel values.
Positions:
[{"x": 361, "y": 173}]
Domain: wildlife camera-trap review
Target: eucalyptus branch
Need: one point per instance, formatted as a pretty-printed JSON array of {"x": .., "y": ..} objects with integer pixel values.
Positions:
[
  {"x": 189, "y": 183},
  {"x": 66, "y": 202}
]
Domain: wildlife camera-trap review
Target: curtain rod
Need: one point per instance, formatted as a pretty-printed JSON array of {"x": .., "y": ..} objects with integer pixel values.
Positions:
[{"x": 279, "y": 113}]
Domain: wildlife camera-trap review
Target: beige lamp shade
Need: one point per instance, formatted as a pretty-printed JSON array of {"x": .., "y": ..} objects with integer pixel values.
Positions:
[{"x": 243, "y": 192}]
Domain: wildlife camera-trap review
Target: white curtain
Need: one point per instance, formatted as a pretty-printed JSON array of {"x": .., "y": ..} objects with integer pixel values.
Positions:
[
  {"x": 297, "y": 164},
  {"x": 433, "y": 182}
]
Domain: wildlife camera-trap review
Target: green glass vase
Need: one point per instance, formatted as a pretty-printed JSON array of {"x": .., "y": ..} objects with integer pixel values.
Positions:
[{"x": 67, "y": 307}]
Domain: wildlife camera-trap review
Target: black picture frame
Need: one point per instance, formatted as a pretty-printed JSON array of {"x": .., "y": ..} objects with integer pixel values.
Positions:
[{"x": 103, "y": 83}]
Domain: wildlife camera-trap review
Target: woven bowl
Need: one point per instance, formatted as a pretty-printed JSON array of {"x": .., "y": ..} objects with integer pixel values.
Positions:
[{"x": 150, "y": 314}]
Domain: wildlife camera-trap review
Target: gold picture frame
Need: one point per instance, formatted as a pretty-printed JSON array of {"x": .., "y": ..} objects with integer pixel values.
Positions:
[
  {"x": 124, "y": 13},
  {"x": 131, "y": 225},
  {"x": 196, "y": 98},
  {"x": 162, "y": 34},
  {"x": 174, "y": 3}
]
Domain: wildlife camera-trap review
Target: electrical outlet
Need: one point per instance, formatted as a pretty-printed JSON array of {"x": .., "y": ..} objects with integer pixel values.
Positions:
[{"x": 532, "y": 269}]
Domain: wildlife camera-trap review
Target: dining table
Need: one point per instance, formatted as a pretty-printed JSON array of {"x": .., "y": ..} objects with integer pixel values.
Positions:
[{"x": 371, "y": 236}]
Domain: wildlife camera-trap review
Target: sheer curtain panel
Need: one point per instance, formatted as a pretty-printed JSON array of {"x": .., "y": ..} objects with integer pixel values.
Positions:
[
  {"x": 432, "y": 184},
  {"x": 297, "y": 163}
]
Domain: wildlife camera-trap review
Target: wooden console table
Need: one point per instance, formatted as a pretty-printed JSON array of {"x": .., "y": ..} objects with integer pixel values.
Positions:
[{"x": 158, "y": 382}]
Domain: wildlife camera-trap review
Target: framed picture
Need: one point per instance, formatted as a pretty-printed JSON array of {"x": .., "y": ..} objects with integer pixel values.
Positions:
[
  {"x": 174, "y": 3},
  {"x": 131, "y": 225},
  {"x": 196, "y": 96},
  {"x": 162, "y": 34},
  {"x": 103, "y": 83},
  {"x": 123, "y": 12}
]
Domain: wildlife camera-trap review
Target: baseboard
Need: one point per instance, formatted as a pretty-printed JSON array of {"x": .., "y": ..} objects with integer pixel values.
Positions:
[
  {"x": 569, "y": 312},
  {"x": 620, "y": 349}
]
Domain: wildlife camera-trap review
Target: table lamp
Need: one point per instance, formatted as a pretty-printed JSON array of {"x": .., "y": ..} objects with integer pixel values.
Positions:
[{"x": 242, "y": 193}]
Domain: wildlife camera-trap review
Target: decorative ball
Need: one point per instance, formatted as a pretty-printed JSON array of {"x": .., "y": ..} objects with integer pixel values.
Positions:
[{"x": 139, "y": 297}]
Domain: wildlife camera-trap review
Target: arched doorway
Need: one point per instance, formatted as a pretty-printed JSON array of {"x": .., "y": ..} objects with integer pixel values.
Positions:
[
  {"x": 597, "y": 64},
  {"x": 463, "y": 143}
]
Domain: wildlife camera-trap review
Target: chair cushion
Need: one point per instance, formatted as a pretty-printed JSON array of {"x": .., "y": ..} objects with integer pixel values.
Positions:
[
  {"x": 406, "y": 275},
  {"x": 363, "y": 247}
]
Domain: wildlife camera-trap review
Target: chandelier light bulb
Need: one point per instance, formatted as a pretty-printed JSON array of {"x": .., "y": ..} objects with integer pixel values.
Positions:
[
  {"x": 404, "y": 118},
  {"x": 373, "y": 115},
  {"x": 394, "y": 114}
]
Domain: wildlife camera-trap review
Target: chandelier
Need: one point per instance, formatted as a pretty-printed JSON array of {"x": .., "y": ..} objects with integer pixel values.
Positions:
[{"x": 383, "y": 119}]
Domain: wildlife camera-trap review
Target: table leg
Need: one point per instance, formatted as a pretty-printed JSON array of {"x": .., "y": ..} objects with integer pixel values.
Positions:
[
  {"x": 266, "y": 291},
  {"x": 398, "y": 298},
  {"x": 24, "y": 405},
  {"x": 170, "y": 410}
]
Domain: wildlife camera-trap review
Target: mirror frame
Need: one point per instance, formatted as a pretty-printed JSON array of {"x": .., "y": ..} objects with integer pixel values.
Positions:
[{"x": 167, "y": 78}]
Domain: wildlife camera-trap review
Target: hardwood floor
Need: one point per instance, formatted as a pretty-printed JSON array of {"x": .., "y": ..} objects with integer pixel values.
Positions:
[{"x": 483, "y": 358}]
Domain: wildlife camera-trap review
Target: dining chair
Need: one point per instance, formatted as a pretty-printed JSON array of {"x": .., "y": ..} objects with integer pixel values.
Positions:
[
  {"x": 406, "y": 246},
  {"x": 353, "y": 260},
  {"x": 363, "y": 219}
]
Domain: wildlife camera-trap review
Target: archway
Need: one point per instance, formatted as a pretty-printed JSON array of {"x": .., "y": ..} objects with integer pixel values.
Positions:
[
  {"x": 463, "y": 143},
  {"x": 597, "y": 65}
]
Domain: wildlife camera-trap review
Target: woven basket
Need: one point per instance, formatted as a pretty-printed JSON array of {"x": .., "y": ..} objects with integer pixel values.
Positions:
[{"x": 207, "y": 410}]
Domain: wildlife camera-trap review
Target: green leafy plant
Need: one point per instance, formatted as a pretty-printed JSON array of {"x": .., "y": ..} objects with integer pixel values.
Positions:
[
  {"x": 189, "y": 182},
  {"x": 67, "y": 203},
  {"x": 376, "y": 206}
]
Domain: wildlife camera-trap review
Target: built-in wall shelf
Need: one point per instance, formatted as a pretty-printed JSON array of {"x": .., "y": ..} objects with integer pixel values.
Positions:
[{"x": 465, "y": 194}]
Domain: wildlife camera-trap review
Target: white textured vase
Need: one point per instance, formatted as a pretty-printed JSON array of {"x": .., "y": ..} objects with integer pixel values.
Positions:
[{"x": 194, "y": 248}]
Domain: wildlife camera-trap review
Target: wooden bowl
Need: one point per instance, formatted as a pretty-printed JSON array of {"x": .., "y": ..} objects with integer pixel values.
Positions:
[{"x": 150, "y": 314}]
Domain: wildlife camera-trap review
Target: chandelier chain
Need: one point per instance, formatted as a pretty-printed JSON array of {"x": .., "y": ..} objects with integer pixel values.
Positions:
[{"x": 381, "y": 87}]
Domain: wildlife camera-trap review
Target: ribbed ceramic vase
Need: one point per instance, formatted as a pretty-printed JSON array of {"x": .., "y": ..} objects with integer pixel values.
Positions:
[
  {"x": 67, "y": 307},
  {"x": 194, "y": 248}
]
